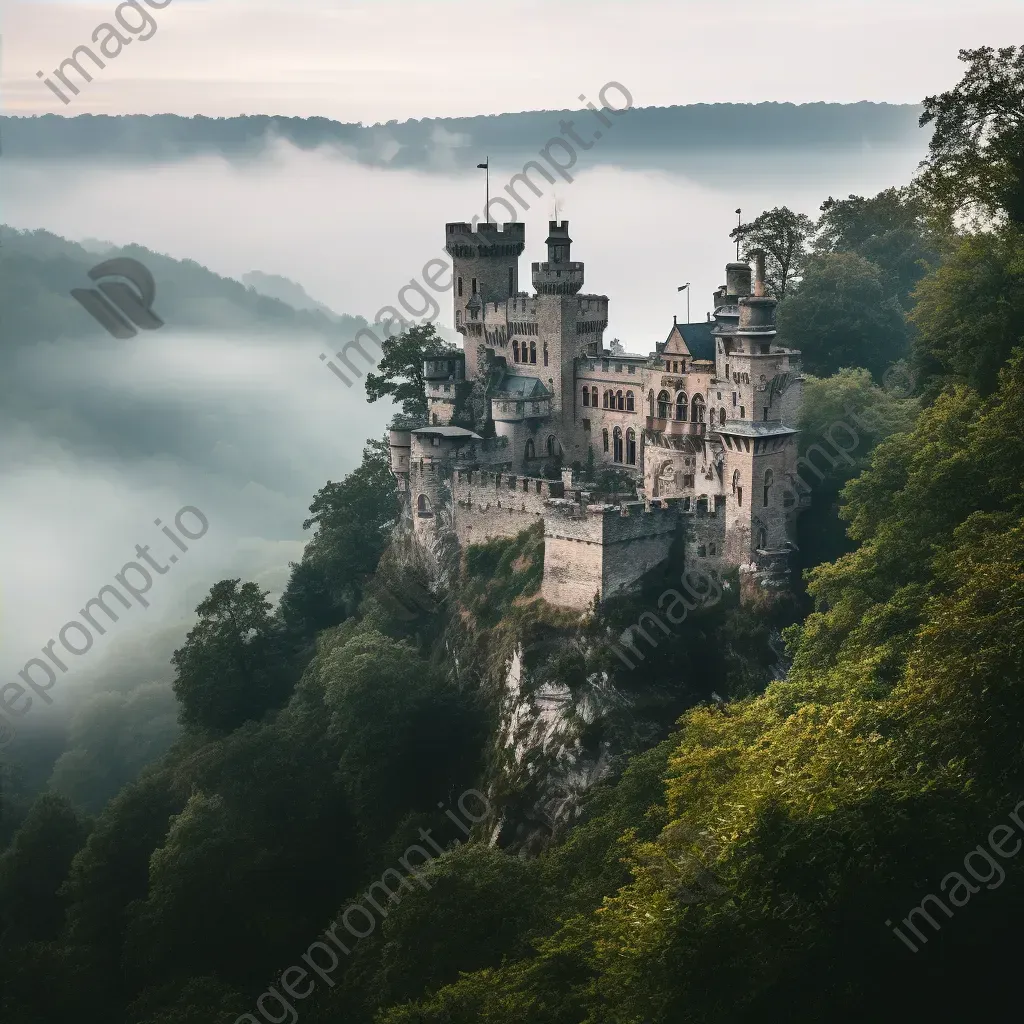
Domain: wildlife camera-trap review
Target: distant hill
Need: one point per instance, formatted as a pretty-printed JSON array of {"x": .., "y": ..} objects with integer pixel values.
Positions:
[
  {"x": 39, "y": 269},
  {"x": 285, "y": 290},
  {"x": 676, "y": 130}
]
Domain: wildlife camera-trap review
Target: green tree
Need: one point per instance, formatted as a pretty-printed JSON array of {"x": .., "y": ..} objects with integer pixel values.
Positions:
[
  {"x": 784, "y": 236},
  {"x": 891, "y": 229},
  {"x": 970, "y": 313},
  {"x": 839, "y": 316},
  {"x": 33, "y": 870},
  {"x": 231, "y": 668},
  {"x": 401, "y": 366},
  {"x": 976, "y": 155},
  {"x": 354, "y": 521}
]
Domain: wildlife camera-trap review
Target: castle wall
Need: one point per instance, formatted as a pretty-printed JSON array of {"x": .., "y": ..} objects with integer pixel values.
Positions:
[
  {"x": 489, "y": 505},
  {"x": 603, "y": 551}
]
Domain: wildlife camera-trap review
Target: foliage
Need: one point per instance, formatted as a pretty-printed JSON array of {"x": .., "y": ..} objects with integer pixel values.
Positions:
[
  {"x": 113, "y": 736},
  {"x": 784, "y": 236},
  {"x": 970, "y": 313},
  {"x": 231, "y": 668},
  {"x": 976, "y": 159},
  {"x": 892, "y": 230},
  {"x": 839, "y": 316},
  {"x": 401, "y": 368},
  {"x": 353, "y": 521}
]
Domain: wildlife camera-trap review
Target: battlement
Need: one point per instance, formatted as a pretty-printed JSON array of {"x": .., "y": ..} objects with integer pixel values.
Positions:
[
  {"x": 592, "y": 303},
  {"x": 512, "y": 232},
  {"x": 612, "y": 524},
  {"x": 490, "y": 484}
]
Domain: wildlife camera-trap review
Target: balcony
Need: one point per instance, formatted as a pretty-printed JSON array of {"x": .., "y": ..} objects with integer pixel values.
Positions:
[{"x": 676, "y": 428}]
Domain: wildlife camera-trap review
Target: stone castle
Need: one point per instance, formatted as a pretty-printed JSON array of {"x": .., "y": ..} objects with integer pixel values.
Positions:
[{"x": 532, "y": 413}]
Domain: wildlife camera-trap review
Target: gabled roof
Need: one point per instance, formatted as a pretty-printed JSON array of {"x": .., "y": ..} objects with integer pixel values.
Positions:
[
  {"x": 693, "y": 340},
  {"x": 513, "y": 385}
]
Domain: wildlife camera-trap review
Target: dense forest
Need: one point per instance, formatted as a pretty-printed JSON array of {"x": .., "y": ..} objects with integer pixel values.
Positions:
[
  {"x": 361, "y": 820},
  {"x": 674, "y": 131}
]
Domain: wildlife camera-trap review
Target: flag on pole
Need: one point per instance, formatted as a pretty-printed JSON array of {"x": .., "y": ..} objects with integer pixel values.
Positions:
[{"x": 483, "y": 167}]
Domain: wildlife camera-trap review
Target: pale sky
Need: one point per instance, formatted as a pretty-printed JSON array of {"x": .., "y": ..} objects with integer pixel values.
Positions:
[{"x": 376, "y": 60}]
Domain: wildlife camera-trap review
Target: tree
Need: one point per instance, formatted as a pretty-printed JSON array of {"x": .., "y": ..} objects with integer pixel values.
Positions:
[
  {"x": 784, "y": 237},
  {"x": 975, "y": 164},
  {"x": 231, "y": 668},
  {"x": 33, "y": 869},
  {"x": 401, "y": 366},
  {"x": 839, "y": 316},
  {"x": 353, "y": 521},
  {"x": 970, "y": 313},
  {"x": 891, "y": 229}
]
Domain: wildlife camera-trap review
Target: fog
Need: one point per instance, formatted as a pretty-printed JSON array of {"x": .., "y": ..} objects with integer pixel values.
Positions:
[{"x": 98, "y": 444}]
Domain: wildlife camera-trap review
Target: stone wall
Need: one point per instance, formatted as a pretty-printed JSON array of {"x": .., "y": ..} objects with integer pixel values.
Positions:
[
  {"x": 490, "y": 505},
  {"x": 603, "y": 550}
]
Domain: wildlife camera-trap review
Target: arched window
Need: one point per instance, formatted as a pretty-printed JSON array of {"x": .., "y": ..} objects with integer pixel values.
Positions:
[
  {"x": 630, "y": 407},
  {"x": 435, "y": 420},
  {"x": 531, "y": 452},
  {"x": 681, "y": 406},
  {"x": 769, "y": 479},
  {"x": 605, "y": 436},
  {"x": 533, "y": 352},
  {"x": 552, "y": 446},
  {"x": 762, "y": 539},
  {"x": 617, "y": 444},
  {"x": 515, "y": 351},
  {"x": 545, "y": 353},
  {"x": 604, "y": 399},
  {"x": 586, "y": 395},
  {"x": 721, "y": 417},
  {"x": 620, "y": 401},
  {"x": 736, "y": 489},
  {"x": 423, "y": 505},
  {"x": 593, "y": 397},
  {"x": 650, "y": 403},
  {"x": 631, "y": 447},
  {"x": 697, "y": 409},
  {"x": 663, "y": 405}
]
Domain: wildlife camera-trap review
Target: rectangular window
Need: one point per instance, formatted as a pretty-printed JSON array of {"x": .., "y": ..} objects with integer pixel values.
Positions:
[
  {"x": 474, "y": 286},
  {"x": 743, "y": 413},
  {"x": 735, "y": 400},
  {"x": 460, "y": 287},
  {"x": 719, "y": 395},
  {"x": 632, "y": 369},
  {"x": 586, "y": 426}
]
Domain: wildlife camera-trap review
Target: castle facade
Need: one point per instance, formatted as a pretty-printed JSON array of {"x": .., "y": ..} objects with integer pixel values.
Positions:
[{"x": 704, "y": 426}]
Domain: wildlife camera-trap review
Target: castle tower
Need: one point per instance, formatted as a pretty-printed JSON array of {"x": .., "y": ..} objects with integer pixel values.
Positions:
[
  {"x": 557, "y": 282},
  {"x": 760, "y": 449},
  {"x": 485, "y": 263}
]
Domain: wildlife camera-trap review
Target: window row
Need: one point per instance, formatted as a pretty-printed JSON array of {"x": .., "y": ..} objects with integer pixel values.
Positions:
[
  {"x": 527, "y": 354},
  {"x": 610, "y": 399},
  {"x": 617, "y": 445},
  {"x": 696, "y": 408}
]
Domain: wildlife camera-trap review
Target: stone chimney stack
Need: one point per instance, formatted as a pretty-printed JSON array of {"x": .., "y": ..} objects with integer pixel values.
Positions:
[{"x": 758, "y": 255}]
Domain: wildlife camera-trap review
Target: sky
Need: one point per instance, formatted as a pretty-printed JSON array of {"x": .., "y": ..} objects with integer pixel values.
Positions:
[{"x": 378, "y": 60}]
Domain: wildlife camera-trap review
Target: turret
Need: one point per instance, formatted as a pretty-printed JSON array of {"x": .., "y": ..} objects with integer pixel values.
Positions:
[{"x": 559, "y": 275}]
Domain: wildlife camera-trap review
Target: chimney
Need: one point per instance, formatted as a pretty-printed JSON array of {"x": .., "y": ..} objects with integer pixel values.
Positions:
[{"x": 758, "y": 255}]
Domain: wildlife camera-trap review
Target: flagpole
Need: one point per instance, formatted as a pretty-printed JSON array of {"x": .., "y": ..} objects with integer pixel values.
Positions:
[
  {"x": 739, "y": 224},
  {"x": 486, "y": 167}
]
